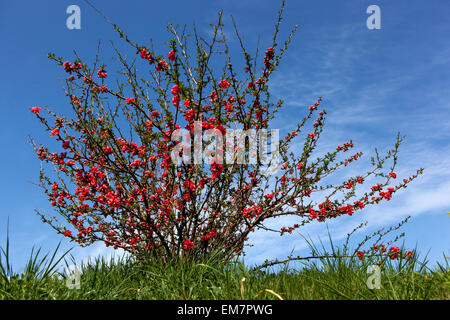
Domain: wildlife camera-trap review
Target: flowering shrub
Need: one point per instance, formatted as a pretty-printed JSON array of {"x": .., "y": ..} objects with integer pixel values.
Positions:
[{"x": 115, "y": 180}]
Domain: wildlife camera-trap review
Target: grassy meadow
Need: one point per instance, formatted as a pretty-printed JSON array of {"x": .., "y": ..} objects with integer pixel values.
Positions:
[{"x": 44, "y": 277}]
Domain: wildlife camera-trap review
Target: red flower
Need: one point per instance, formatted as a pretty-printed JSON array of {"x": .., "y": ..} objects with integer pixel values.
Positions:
[
  {"x": 188, "y": 244},
  {"x": 146, "y": 55},
  {"x": 251, "y": 212},
  {"x": 269, "y": 196},
  {"x": 176, "y": 101},
  {"x": 189, "y": 185},
  {"x": 67, "y": 66},
  {"x": 360, "y": 255},
  {"x": 409, "y": 255},
  {"x": 359, "y": 204},
  {"x": 155, "y": 114},
  {"x": 393, "y": 175},
  {"x": 67, "y": 233},
  {"x": 102, "y": 73},
  {"x": 312, "y": 214},
  {"x": 101, "y": 89},
  {"x": 135, "y": 163},
  {"x": 35, "y": 110},
  {"x": 312, "y": 135},
  {"x": 221, "y": 129},
  {"x": 348, "y": 209},
  {"x": 211, "y": 234},
  {"x": 224, "y": 84},
  {"x": 216, "y": 169},
  {"x": 161, "y": 65},
  {"x": 394, "y": 251},
  {"x": 148, "y": 124},
  {"x": 54, "y": 132},
  {"x": 130, "y": 100},
  {"x": 175, "y": 90},
  {"x": 377, "y": 187},
  {"x": 171, "y": 56}
]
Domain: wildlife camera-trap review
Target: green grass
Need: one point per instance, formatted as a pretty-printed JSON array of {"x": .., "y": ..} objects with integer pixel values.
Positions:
[{"x": 329, "y": 278}]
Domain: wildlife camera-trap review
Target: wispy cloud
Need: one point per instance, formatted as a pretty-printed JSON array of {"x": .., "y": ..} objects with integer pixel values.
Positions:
[{"x": 369, "y": 105}]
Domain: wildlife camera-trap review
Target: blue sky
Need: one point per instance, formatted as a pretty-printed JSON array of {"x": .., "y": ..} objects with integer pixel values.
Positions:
[{"x": 374, "y": 83}]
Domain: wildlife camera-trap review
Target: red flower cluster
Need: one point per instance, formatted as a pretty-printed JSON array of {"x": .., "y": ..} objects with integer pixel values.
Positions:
[
  {"x": 135, "y": 163},
  {"x": 376, "y": 187},
  {"x": 359, "y": 204},
  {"x": 103, "y": 88},
  {"x": 102, "y": 74},
  {"x": 409, "y": 255},
  {"x": 394, "y": 252},
  {"x": 69, "y": 68},
  {"x": 147, "y": 56},
  {"x": 188, "y": 244},
  {"x": 329, "y": 210},
  {"x": 54, "y": 132},
  {"x": 388, "y": 194},
  {"x": 35, "y": 110},
  {"x": 269, "y": 196},
  {"x": 313, "y": 107},
  {"x": 382, "y": 248},
  {"x": 224, "y": 84},
  {"x": 176, "y": 98},
  {"x": 171, "y": 56},
  {"x": 269, "y": 55},
  {"x": 360, "y": 255},
  {"x": 161, "y": 65},
  {"x": 155, "y": 114},
  {"x": 346, "y": 146},
  {"x": 348, "y": 209},
  {"x": 313, "y": 214},
  {"x": 252, "y": 212},
  {"x": 216, "y": 169},
  {"x": 210, "y": 235},
  {"x": 190, "y": 185}
]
